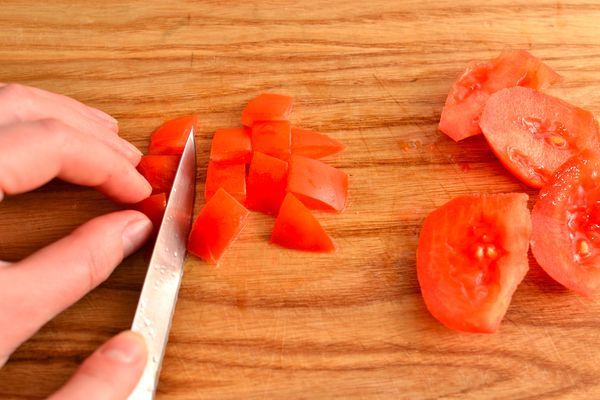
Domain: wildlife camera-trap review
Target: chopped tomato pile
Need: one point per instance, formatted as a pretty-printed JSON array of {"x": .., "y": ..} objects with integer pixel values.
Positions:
[
  {"x": 472, "y": 251},
  {"x": 271, "y": 167}
]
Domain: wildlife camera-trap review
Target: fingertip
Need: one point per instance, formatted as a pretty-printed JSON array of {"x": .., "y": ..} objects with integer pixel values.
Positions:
[{"x": 128, "y": 348}]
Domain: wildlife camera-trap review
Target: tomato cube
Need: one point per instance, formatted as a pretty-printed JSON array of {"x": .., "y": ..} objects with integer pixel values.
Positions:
[
  {"x": 231, "y": 145},
  {"x": 267, "y": 107},
  {"x": 231, "y": 177},
  {"x": 159, "y": 171},
  {"x": 266, "y": 183},
  {"x": 170, "y": 137},
  {"x": 313, "y": 144},
  {"x": 273, "y": 138}
]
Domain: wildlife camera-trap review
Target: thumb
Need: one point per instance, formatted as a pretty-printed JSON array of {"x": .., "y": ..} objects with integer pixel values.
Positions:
[{"x": 110, "y": 373}]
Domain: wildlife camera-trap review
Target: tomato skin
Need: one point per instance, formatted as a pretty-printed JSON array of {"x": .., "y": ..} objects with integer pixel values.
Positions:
[
  {"x": 266, "y": 183},
  {"x": 566, "y": 230},
  {"x": 296, "y": 228},
  {"x": 231, "y": 145},
  {"x": 318, "y": 185},
  {"x": 154, "y": 208},
  {"x": 218, "y": 224},
  {"x": 533, "y": 133},
  {"x": 267, "y": 107},
  {"x": 159, "y": 171},
  {"x": 469, "y": 93},
  {"x": 170, "y": 137},
  {"x": 273, "y": 138},
  {"x": 472, "y": 255},
  {"x": 313, "y": 144},
  {"x": 230, "y": 177}
]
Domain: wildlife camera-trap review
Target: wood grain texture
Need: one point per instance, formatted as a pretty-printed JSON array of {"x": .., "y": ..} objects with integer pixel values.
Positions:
[{"x": 271, "y": 323}]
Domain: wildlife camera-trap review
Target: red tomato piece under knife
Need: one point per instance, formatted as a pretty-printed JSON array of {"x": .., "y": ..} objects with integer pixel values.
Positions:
[
  {"x": 232, "y": 145},
  {"x": 566, "y": 225},
  {"x": 469, "y": 93},
  {"x": 533, "y": 133},
  {"x": 313, "y": 144},
  {"x": 472, "y": 255},
  {"x": 273, "y": 138},
  {"x": 218, "y": 224},
  {"x": 154, "y": 208},
  {"x": 296, "y": 228},
  {"x": 266, "y": 183},
  {"x": 231, "y": 177},
  {"x": 267, "y": 107},
  {"x": 170, "y": 137},
  {"x": 159, "y": 171},
  {"x": 316, "y": 184}
]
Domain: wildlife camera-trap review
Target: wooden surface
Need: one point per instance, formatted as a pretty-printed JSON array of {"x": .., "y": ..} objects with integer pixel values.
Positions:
[{"x": 277, "y": 324}]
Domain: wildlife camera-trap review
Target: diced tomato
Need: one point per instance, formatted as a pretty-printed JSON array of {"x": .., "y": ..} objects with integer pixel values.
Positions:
[
  {"x": 216, "y": 227},
  {"x": 296, "y": 228},
  {"x": 231, "y": 177},
  {"x": 154, "y": 208},
  {"x": 232, "y": 145},
  {"x": 267, "y": 107},
  {"x": 469, "y": 93},
  {"x": 170, "y": 137},
  {"x": 533, "y": 133},
  {"x": 472, "y": 255},
  {"x": 273, "y": 138},
  {"x": 266, "y": 183},
  {"x": 159, "y": 171},
  {"x": 566, "y": 225},
  {"x": 313, "y": 144},
  {"x": 316, "y": 184}
]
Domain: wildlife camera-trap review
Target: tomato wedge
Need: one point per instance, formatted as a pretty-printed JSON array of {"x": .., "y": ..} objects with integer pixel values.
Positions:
[
  {"x": 566, "y": 225},
  {"x": 472, "y": 255},
  {"x": 154, "y": 208},
  {"x": 267, "y": 179},
  {"x": 313, "y": 144},
  {"x": 533, "y": 133},
  {"x": 316, "y": 184},
  {"x": 267, "y": 107},
  {"x": 296, "y": 228},
  {"x": 159, "y": 171},
  {"x": 231, "y": 145},
  {"x": 273, "y": 138},
  {"x": 170, "y": 137},
  {"x": 469, "y": 93},
  {"x": 231, "y": 177},
  {"x": 218, "y": 224}
]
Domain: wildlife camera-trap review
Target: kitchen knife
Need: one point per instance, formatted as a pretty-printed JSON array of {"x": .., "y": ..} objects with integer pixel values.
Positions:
[{"x": 159, "y": 293}]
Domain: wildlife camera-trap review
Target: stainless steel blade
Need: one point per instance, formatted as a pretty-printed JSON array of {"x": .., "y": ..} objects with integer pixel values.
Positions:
[{"x": 159, "y": 294}]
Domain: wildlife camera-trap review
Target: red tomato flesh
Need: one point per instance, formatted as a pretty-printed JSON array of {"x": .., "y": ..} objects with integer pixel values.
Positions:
[
  {"x": 469, "y": 93},
  {"x": 296, "y": 228},
  {"x": 472, "y": 255},
  {"x": 266, "y": 183},
  {"x": 318, "y": 185},
  {"x": 232, "y": 145},
  {"x": 566, "y": 225},
  {"x": 218, "y": 224},
  {"x": 313, "y": 144},
  {"x": 170, "y": 137},
  {"x": 159, "y": 171},
  {"x": 533, "y": 133},
  {"x": 231, "y": 177},
  {"x": 154, "y": 208},
  {"x": 267, "y": 107},
  {"x": 273, "y": 138}
]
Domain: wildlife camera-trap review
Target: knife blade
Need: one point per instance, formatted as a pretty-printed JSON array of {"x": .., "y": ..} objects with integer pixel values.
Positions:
[{"x": 159, "y": 294}]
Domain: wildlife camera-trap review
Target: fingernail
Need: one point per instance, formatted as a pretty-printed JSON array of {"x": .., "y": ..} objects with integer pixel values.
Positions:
[
  {"x": 102, "y": 115},
  {"x": 126, "y": 348},
  {"x": 135, "y": 152},
  {"x": 135, "y": 234}
]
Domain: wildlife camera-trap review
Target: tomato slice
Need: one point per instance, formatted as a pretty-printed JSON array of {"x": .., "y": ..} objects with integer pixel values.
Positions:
[
  {"x": 159, "y": 171},
  {"x": 170, "y": 137},
  {"x": 231, "y": 145},
  {"x": 154, "y": 208},
  {"x": 296, "y": 228},
  {"x": 316, "y": 184},
  {"x": 273, "y": 138},
  {"x": 231, "y": 177},
  {"x": 313, "y": 144},
  {"x": 566, "y": 225},
  {"x": 472, "y": 255},
  {"x": 267, "y": 107},
  {"x": 469, "y": 93},
  {"x": 533, "y": 133},
  {"x": 267, "y": 179},
  {"x": 218, "y": 224}
]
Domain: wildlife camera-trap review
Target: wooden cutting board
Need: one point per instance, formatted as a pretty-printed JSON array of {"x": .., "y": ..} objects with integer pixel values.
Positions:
[{"x": 278, "y": 324}]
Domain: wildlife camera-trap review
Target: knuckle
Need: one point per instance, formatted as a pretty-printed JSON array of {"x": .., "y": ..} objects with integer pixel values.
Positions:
[
  {"x": 54, "y": 130},
  {"x": 15, "y": 91}
]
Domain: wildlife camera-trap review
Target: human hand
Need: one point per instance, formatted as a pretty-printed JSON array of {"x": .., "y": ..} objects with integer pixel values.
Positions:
[{"x": 42, "y": 136}]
